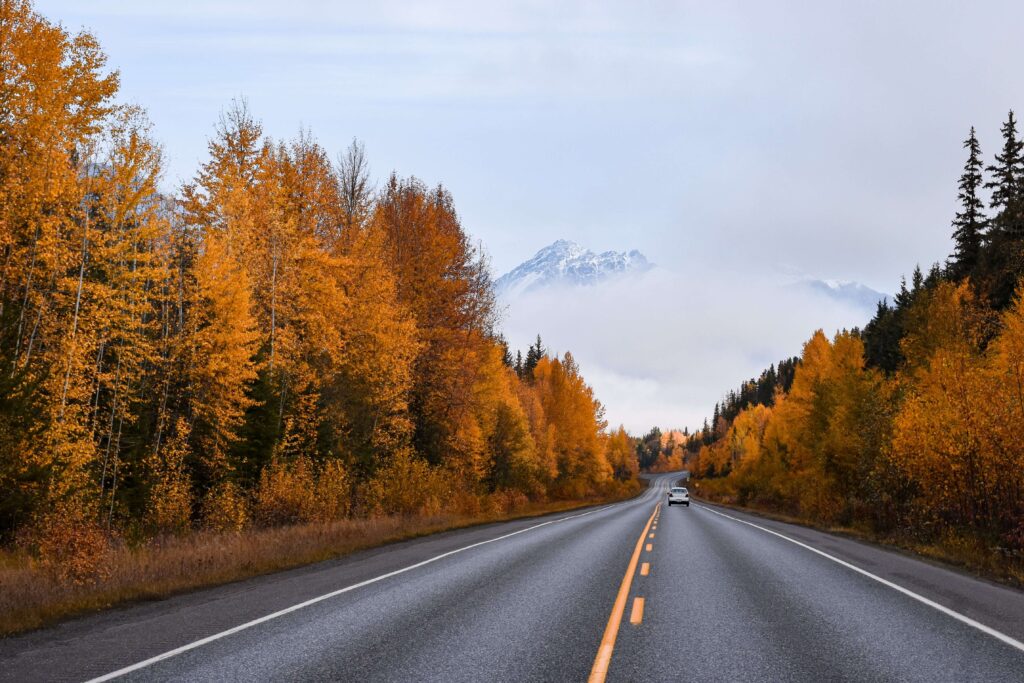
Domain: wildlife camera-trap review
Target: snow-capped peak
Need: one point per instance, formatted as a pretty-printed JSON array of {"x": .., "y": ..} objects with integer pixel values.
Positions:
[{"x": 564, "y": 262}]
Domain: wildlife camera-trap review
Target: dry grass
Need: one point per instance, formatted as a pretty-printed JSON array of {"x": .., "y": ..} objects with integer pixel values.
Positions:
[{"x": 32, "y": 596}]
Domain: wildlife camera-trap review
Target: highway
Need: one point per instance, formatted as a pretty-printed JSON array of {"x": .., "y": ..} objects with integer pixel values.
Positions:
[{"x": 629, "y": 592}]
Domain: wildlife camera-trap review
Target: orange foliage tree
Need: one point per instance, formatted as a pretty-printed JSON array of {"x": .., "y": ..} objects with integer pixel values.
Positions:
[{"x": 276, "y": 342}]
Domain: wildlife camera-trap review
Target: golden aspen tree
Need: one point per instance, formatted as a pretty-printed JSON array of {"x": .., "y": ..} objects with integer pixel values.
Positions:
[
  {"x": 443, "y": 281},
  {"x": 542, "y": 431},
  {"x": 1004, "y": 422},
  {"x": 942, "y": 431},
  {"x": 54, "y": 96},
  {"x": 758, "y": 468},
  {"x": 578, "y": 420},
  {"x": 827, "y": 431},
  {"x": 621, "y": 454},
  {"x": 368, "y": 397},
  {"x": 120, "y": 303},
  {"x": 169, "y": 509},
  {"x": 502, "y": 448},
  {"x": 220, "y": 365},
  {"x": 312, "y": 301},
  {"x": 229, "y": 329}
]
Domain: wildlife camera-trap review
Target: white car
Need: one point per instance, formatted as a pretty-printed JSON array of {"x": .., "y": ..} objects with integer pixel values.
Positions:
[{"x": 678, "y": 494}]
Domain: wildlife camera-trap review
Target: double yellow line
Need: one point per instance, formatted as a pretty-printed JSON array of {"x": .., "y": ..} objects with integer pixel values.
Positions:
[{"x": 604, "y": 653}]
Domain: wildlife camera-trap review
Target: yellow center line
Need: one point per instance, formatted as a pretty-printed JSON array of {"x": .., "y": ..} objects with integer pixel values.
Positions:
[
  {"x": 651, "y": 535},
  {"x": 638, "y": 612},
  {"x": 645, "y": 569},
  {"x": 604, "y": 653},
  {"x": 649, "y": 546}
]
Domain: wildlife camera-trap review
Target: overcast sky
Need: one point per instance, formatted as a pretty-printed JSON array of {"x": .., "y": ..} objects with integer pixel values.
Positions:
[{"x": 737, "y": 140}]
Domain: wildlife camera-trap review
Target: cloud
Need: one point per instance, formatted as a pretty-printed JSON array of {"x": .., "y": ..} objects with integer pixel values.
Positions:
[{"x": 661, "y": 348}]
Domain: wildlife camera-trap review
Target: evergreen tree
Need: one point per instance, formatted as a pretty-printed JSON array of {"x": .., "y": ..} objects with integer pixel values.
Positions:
[
  {"x": 506, "y": 354},
  {"x": 882, "y": 338},
  {"x": 903, "y": 296},
  {"x": 649, "y": 448},
  {"x": 917, "y": 280},
  {"x": 533, "y": 356},
  {"x": 1003, "y": 252},
  {"x": 1008, "y": 171},
  {"x": 969, "y": 223},
  {"x": 787, "y": 370}
]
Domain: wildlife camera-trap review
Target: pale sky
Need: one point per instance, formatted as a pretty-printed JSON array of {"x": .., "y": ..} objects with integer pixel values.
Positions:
[{"x": 736, "y": 140}]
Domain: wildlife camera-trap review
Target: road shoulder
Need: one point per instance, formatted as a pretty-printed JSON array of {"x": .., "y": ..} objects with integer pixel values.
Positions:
[{"x": 996, "y": 605}]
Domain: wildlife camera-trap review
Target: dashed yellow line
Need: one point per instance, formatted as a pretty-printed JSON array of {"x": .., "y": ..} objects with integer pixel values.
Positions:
[
  {"x": 645, "y": 569},
  {"x": 649, "y": 546},
  {"x": 604, "y": 652},
  {"x": 638, "y": 612},
  {"x": 650, "y": 535}
]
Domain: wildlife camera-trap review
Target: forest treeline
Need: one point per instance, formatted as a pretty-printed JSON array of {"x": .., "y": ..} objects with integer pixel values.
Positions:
[
  {"x": 913, "y": 426},
  {"x": 275, "y": 342}
]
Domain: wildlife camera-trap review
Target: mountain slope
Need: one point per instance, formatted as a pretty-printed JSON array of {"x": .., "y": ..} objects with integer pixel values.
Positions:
[
  {"x": 567, "y": 263},
  {"x": 854, "y": 293}
]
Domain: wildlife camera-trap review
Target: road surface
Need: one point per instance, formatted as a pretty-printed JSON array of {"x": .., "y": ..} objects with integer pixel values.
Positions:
[{"x": 629, "y": 592}]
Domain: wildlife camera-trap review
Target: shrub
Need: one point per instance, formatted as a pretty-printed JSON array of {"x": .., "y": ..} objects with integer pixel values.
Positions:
[
  {"x": 225, "y": 508},
  {"x": 286, "y": 493},
  {"x": 407, "y": 485},
  {"x": 170, "y": 499},
  {"x": 332, "y": 492},
  {"x": 70, "y": 544}
]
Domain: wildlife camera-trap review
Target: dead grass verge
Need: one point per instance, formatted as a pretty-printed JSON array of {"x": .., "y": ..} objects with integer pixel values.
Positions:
[{"x": 31, "y": 596}]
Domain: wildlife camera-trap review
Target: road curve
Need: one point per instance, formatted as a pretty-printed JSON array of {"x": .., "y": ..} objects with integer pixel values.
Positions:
[{"x": 700, "y": 593}]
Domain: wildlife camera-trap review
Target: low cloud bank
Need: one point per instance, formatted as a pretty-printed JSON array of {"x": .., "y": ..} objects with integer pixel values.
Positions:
[{"x": 661, "y": 348}]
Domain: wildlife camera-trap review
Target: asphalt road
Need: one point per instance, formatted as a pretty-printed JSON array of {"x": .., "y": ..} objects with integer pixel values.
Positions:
[{"x": 556, "y": 599}]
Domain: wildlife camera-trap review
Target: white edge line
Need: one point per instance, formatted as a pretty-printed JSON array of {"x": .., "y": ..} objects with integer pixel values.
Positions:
[
  {"x": 312, "y": 601},
  {"x": 1009, "y": 640}
]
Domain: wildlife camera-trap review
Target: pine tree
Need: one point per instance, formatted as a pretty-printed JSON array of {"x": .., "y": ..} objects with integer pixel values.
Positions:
[
  {"x": 533, "y": 356},
  {"x": 1003, "y": 252},
  {"x": 917, "y": 280},
  {"x": 1008, "y": 171},
  {"x": 506, "y": 354},
  {"x": 969, "y": 224},
  {"x": 882, "y": 338}
]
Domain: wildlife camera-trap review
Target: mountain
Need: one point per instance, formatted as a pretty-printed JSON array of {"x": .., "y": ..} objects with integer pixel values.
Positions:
[
  {"x": 853, "y": 293},
  {"x": 567, "y": 263}
]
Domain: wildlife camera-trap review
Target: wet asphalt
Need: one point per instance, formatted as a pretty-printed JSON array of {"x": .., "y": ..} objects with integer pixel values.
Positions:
[{"x": 723, "y": 601}]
